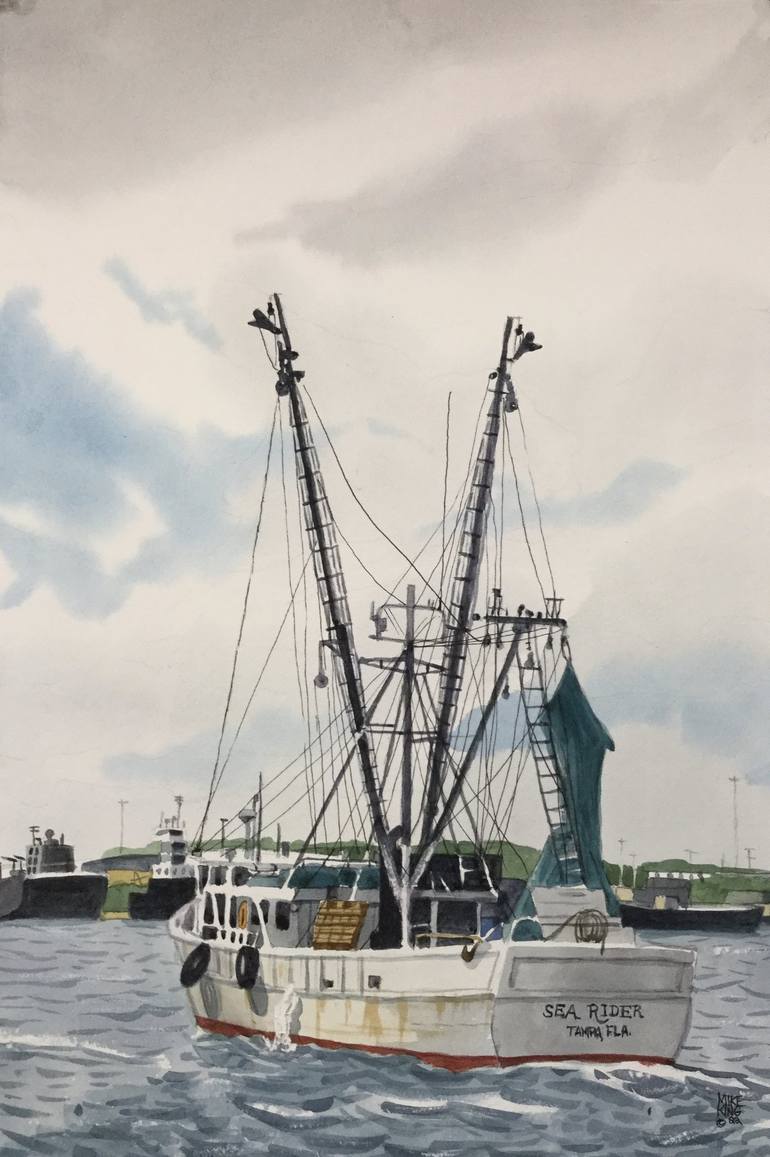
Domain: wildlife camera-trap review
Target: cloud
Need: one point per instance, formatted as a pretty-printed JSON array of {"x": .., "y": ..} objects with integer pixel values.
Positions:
[
  {"x": 70, "y": 450},
  {"x": 166, "y": 307},
  {"x": 716, "y": 697},
  {"x": 629, "y": 495},
  {"x": 514, "y": 174}
]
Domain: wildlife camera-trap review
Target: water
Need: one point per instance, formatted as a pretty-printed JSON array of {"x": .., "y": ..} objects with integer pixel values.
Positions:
[{"x": 98, "y": 1055}]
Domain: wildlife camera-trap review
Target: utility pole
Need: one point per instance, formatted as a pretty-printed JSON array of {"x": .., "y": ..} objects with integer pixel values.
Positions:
[
  {"x": 690, "y": 852},
  {"x": 749, "y": 856},
  {"x": 223, "y": 821},
  {"x": 122, "y": 804},
  {"x": 734, "y": 782},
  {"x": 178, "y": 800}
]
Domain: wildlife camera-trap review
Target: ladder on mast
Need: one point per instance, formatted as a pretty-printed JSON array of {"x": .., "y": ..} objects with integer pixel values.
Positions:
[{"x": 547, "y": 768}]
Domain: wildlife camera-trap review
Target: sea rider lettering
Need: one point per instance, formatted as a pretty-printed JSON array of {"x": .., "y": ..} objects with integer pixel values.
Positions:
[{"x": 599, "y": 1012}]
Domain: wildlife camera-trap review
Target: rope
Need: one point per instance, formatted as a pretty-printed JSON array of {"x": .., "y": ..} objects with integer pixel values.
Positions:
[
  {"x": 523, "y": 520},
  {"x": 212, "y": 787},
  {"x": 590, "y": 925},
  {"x": 443, "y": 503},
  {"x": 412, "y": 563},
  {"x": 537, "y": 504}
]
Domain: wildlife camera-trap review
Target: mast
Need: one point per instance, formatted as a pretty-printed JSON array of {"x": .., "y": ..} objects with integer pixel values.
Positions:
[
  {"x": 258, "y": 835},
  {"x": 406, "y": 764},
  {"x": 321, "y": 532},
  {"x": 462, "y": 599}
]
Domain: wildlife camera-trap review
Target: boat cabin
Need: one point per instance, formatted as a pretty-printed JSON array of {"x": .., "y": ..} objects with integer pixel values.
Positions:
[
  {"x": 49, "y": 854},
  {"x": 336, "y": 905}
]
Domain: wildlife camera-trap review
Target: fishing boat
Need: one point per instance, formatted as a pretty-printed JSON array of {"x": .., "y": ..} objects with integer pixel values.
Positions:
[
  {"x": 397, "y": 930},
  {"x": 46, "y": 884},
  {"x": 172, "y": 876}
]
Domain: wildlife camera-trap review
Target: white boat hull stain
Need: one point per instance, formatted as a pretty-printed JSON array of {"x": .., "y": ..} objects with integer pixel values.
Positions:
[{"x": 514, "y": 1003}]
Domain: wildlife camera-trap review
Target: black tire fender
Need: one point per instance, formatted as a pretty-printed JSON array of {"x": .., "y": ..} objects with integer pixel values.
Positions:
[
  {"x": 247, "y": 966},
  {"x": 195, "y": 965}
]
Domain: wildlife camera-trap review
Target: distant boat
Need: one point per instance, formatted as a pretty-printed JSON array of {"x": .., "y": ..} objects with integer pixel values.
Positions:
[
  {"x": 410, "y": 946},
  {"x": 45, "y": 883},
  {"x": 664, "y": 904},
  {"x": 172, "y": 875}
]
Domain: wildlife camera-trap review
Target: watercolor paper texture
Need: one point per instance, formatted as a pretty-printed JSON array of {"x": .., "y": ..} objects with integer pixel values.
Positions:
[{"x": 444, "y": 662}]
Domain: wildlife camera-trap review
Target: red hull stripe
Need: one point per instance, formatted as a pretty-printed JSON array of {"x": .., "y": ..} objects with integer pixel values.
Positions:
[{"x": 439, "y": 1060}]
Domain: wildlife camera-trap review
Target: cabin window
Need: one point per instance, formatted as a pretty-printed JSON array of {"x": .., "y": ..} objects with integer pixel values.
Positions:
[
  {"x": 218, "y": 874},
  {"x": 234, "y": 900},
  {"x": 420, "y": 922},
  {"x": 282, "y": 915},
  {"x": 240, "y": 875},
  {"x": 457, "y": 916},
  {"x": 203, "y": 875},
  {"x": 264, "y": 907},
  {"x": 208, "y": 909},
  {"x": 374, "y": 981},
  {"x": 220, "y": 908}
]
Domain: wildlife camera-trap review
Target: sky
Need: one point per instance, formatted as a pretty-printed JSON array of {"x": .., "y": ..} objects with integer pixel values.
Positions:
[{"x": 406, "y": 175}]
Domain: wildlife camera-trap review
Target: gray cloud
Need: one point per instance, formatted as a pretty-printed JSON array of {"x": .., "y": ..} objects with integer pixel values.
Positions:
[
  {"x": 630, "y": 494},
  {"x": 514, "y": 173},
  {"x": 69, "y": 444},
  {"x": 113, "y": 94},
  {"x": 518, "y": 172},
  {"x": 167, "y": 307},
  {"x": 717, "y": 695}
]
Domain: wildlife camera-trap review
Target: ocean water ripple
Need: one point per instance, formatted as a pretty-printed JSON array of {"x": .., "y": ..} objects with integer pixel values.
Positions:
[{"x": 98, "y": 1054}]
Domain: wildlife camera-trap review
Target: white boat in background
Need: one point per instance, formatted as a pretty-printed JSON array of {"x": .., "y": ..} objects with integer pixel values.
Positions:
[{"x": 419, "y": 945}]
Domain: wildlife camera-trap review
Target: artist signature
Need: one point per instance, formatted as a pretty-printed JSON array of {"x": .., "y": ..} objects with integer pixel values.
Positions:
[{"x": 729, "y": 1109}]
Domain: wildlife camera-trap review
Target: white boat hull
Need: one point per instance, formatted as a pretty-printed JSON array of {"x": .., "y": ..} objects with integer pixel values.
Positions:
[{"x": 514, "y": 1003}]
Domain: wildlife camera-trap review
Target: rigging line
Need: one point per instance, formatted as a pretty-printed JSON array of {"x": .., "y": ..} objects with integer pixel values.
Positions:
[
  {"x": 459, "y": 495},
  {"x": 254, "y": 689},
  {"x": 537, "y": 503},
  {"x": 304, "y": 646},
  {"x": 502, "y": 510},
  {"x": 349, "y": 816},
  {"x": 304, "y": 714},
  {"x": 338, "y": 741},
  {"x": 455, "y": 819},
  {"x": 267, "y": 351},
  {"x": 444, "y": 498},
  {"x": 514, "y": 746},
  {"x": 412, "y": 562},
  {"x": 233, "y": 819},
  {"x": 521, "y": 512},
  {"x": 291, "y": 763},
  {"x": 244, "y": 611}
]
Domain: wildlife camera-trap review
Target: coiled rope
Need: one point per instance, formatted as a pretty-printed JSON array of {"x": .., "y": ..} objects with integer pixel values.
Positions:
[{"x": 590, "y": 926}]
